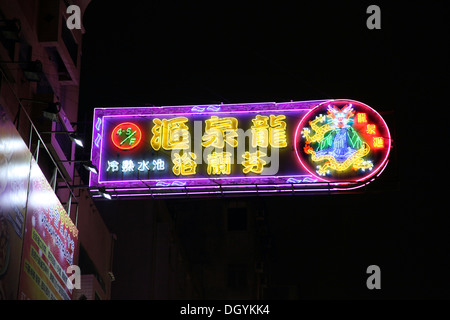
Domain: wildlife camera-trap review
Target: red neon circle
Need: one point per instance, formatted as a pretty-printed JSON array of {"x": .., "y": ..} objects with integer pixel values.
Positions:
[
  {"x": 123, "y": 140},
  {"x": 375, "y": 118}
]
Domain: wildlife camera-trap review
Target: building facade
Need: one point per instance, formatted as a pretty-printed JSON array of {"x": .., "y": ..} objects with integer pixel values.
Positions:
[
  {"x": 150, "y": 259},
  {"x": 40, "y": 60},
  {"x": 228, "y": 244}
]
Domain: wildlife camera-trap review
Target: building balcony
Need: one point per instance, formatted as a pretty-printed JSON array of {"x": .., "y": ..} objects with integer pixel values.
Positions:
[
  {"x": 61, "y": 44},
  {"x": 60, "y": 145}
]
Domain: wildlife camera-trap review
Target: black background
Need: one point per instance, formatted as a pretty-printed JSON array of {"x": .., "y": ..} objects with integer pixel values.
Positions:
[{"x": 140, "y": 53}]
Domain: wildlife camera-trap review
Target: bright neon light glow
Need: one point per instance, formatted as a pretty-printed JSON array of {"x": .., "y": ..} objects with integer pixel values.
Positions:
[
  {"x": 197, "y": 109},
  {"x": 354, "y": 160},
  {"x": 260, "y": 132},
  {"x": 263, "y": 133},
  {"x": 338, "y": 142},
  {"x": 219, "y": 130},
  {"x": 98, "y": 124},
  {"x": 113, "y": 166},
  {"x": 371, "y": 128},
  {"x": 219, "y": 163},
  {"x": 127, "y": 166},
  {"x": 253, "y": 162},
  {"x": 126, "y": 135},
  {"x": 213, "y": 108},
  {"x": 277, "y": 131},
  {"x": 378, "y": 142},
  {"x": 171, "y": 134},
  {"x": 184, "y": 164},
  {"x": 97, "y": 140},
  {"x": 130, "y": 165},
  {"x": 362, "y": 117},
  {"x": 333, "y": 146}
]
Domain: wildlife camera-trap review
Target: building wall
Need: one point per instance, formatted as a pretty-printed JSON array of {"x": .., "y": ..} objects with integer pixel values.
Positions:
[
  {"x": 44, "y": 36},
  {"x": 149, "y": 258},
  {"x": 226, "y": 242},
  {"x": 96, "y": 240}
]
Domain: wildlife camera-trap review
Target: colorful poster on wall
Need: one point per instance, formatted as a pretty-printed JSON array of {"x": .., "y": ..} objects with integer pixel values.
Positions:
[
  {"x": 233, "y": 149},
  {"x": 50, "y": 243},
  {"x": 14, "y": 175},
  {"x": 38, "y": 240}
]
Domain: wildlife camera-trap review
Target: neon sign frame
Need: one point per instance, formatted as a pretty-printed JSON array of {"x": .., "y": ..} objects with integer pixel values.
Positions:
[{"x": 302, "y": 181}]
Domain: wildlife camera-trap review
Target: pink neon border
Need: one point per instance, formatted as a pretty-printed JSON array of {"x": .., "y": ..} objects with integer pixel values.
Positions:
[
  {"x": 314, "y": 174},
  {"x": 227, "y": 109},
  {"x": 286, "y": 106}
]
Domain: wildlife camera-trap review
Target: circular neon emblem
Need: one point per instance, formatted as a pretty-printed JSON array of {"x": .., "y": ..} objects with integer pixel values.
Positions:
[
  {"x": 126, "y": 135},
  {"x": 342, "y": 140}
]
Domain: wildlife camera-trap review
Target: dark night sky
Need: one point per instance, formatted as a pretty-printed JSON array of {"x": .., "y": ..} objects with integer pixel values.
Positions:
[{"x": 173, "y": 53}]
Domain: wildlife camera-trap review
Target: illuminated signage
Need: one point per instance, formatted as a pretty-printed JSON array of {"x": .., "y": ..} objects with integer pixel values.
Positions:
[
  {"x": 126, "y": 135},
  {"x": 50, "y": 243},
  {"x": 231, "y": 149},
  {"x": 345, "y": 141},
  {"x": 38, "y": 240}
]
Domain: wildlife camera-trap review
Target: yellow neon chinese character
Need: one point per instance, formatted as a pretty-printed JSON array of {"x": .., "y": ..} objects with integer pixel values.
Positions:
[
  {"x": 277, "y": 131},
  {"x": 171, "y": 134},
  {"x": 253, "y": 162},
  {"x": 156, "y": 131},
  {"x": 260, "y": 135},
  {"x": 362, "y": 117},
  {"x": 219, "y": 163},
  {"x": 184, "y": 164},
  {"x": 370, "y": 129},
  {"x": 378, "y": 142},
  {"x": 219, "y": 128}
]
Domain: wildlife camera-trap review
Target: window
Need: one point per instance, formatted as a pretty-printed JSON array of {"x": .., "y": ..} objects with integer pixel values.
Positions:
[
  {"x": 9, "y": 34},
  {"x": 64, "y": 141},
  {"x": 237, "y": 219},
  {"x": 69, "y": 41}
]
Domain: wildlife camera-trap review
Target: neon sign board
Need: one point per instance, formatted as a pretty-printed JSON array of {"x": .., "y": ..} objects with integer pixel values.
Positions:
[{"x": 233, "y": 149}]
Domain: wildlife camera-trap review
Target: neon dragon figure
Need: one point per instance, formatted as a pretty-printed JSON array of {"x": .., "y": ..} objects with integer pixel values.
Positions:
[{"x": 338, "y": 143}]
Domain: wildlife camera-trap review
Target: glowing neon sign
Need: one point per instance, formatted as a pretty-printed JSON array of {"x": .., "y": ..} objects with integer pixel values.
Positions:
[
  {"x": 126, "y": 135},
  {"x": 343, "y": 140},
  {"x": 325, "y": 145}
]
